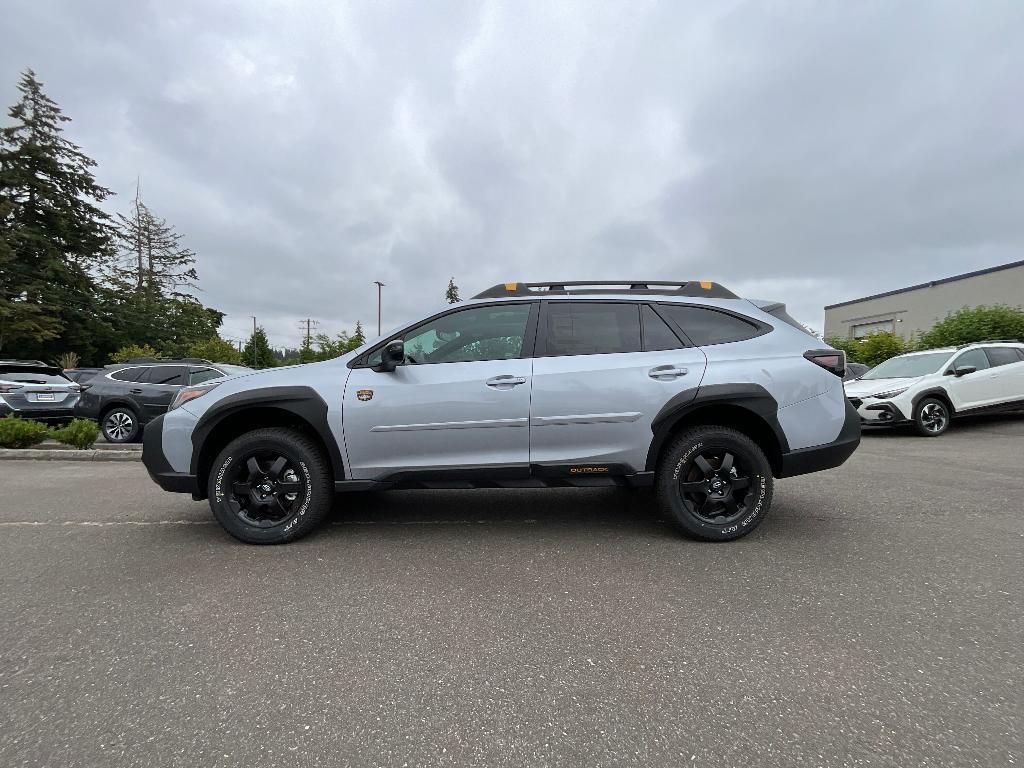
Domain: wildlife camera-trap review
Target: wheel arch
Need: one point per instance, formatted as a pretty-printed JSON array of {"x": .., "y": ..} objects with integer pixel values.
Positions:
[
  {"x": 118, "y": 402},
  {"x": 939, "y": 394},
  {"x": 299, "y": 408},
  {"x": 747, "y": 408}
]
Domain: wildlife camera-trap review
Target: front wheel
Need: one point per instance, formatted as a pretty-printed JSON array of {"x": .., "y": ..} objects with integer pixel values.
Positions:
[
  {"x": 270, "y": 486},
  {"x": 931, "y": 417},
  {"x": 715, "y": 484}
]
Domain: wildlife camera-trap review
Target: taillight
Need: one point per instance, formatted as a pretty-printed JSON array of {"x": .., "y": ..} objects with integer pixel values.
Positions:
[
  {"x": 9, "y": 387},
  {"x": 832, "y": 360}
]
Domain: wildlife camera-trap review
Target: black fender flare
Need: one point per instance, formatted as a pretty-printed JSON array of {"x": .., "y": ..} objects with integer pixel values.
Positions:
[
  {"x": 750, "y": 397},
  {"x": 932, "y": 392},
  {"x": 304, "y": 402}
]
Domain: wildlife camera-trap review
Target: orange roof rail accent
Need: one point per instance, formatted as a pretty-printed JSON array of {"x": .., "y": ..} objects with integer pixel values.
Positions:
[{"x": 706, "y": 285}]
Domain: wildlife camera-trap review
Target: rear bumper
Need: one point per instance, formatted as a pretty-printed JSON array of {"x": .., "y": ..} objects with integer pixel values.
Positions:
[
  {"x": 159, "y": 467},
  {"x": 819, "y": 457},
  {"x": 49, "y": 415}
]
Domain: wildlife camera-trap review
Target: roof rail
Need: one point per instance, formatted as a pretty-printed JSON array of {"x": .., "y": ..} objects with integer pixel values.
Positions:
[
  {"x": 989, "y": 341},
  {"x": 703, "y": 288},
  {"x": 189, "y": 360}
]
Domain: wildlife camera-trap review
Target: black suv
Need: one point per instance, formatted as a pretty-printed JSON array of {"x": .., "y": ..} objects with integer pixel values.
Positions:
[{"x": 124, "y": 397}]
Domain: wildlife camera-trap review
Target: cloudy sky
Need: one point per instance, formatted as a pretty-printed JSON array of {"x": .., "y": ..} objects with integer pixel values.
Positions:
[{"x": 805, "y": 151}]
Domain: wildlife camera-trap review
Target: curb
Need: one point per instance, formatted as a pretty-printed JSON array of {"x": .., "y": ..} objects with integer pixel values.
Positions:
[{"x": 67, "y": 454}]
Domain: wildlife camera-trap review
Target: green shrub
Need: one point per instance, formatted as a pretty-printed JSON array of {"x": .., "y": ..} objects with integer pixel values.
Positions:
[
  {"x": 871, "y": 350},
  {"x": 972, "y": 324},
  {"x": 124, "y": 354},
  {"x": 21, "y": 433},
  {"x": 80, "y": 433}
]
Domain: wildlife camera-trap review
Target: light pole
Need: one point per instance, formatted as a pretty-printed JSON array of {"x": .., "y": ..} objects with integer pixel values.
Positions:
[{"x": 379, "y": 285}]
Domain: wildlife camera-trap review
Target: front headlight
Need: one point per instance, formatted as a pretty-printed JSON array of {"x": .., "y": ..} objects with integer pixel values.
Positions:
[
  {"x": 190, "y": 393},
  {"x": 890, "y": 393}
]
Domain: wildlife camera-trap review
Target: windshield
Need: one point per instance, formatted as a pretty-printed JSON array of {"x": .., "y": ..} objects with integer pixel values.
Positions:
[{"x": 908, "y": 367}]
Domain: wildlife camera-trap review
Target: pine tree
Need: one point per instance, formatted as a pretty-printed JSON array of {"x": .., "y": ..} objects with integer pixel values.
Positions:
[
  {"x": 54, "y": 237},
  {"x": 359, "y": 337},
  {"x": 452, "y": 294},
  {"x": 153, "y": 263},
  {"x": 257, "y": 352}
]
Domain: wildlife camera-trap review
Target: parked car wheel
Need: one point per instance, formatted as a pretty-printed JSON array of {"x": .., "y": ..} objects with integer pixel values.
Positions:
[
  {"x": 931, "y": 417},
  {"x": 120, "y": 425},
  {"x": 270, "y": 486},
  {"x": 715, "y": 483}
]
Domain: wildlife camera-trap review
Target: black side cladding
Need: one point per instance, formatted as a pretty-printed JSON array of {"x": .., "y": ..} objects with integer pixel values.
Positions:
[
  {"x": 751, "y": 397},
  {"x": 304, "y": 402}
]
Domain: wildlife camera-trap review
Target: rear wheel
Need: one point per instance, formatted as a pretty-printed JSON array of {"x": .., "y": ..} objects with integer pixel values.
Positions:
[
  {"x": 715, "y": 483},
  {"x": 270, "y": 486},
  {"x": 120, "y": 425},
  {"x": 931, "y": 417}
]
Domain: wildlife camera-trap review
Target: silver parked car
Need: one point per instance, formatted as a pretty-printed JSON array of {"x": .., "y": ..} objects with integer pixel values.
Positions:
[
  {"x": 684, "y": 386},
  {"x": 34, "y": 390}
]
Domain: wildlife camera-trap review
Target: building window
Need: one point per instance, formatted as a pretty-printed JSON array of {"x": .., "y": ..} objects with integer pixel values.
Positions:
[{"x": 861, "y": 330}]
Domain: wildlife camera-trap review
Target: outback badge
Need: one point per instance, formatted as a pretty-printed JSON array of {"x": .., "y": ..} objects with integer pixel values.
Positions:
[{"x": 364, "y": 394}]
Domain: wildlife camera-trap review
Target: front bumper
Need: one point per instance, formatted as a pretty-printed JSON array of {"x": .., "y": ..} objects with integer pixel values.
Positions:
[
  {"x": 819, "y": 457},
  {"x": 159, "y": 467},
  {"x": 878, "y": 413}
]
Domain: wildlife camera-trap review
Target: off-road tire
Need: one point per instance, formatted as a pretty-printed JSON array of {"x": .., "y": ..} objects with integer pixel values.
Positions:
[
  {"x": 931, "y": 417},
  {"x": 308, "y": 465},
  {"x": 679, "y": 466},
  {"x": 116, "y": 420}
]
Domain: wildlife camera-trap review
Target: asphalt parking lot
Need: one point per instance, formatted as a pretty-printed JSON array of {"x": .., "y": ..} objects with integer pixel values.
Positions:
[{"x": 874, "y": 619}]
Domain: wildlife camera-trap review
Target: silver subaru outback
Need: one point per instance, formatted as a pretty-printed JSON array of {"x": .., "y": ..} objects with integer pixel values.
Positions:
[{"x": 682, "y": 386}]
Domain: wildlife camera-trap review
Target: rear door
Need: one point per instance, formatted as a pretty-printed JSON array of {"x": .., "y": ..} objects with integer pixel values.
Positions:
[
  {"x": 602, "y": 372},
  {"x": 156, "y": 388},
  {"x": 1008, "y": 369}
]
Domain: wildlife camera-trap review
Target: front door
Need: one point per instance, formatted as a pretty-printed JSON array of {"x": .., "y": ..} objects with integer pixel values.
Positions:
[
  {"x": 459, "y": 404},
  {"x": 599, "y": 379}
]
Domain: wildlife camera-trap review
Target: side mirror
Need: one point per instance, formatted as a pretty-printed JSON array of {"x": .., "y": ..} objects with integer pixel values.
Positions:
[
  {"x": 963, "y": 370},
  {"x": 391, "y": 356}
]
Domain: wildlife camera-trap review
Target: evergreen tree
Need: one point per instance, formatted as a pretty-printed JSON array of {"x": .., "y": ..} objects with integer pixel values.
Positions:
[
  {"x": 257, "y": 352},
  {"x": 306, "y": 352},
  {"x": 358, "y": 337},
  {"x": 452, "y": 294},
  {"x": 53, "y": 237},
  {"x": 153, "y": 262}
]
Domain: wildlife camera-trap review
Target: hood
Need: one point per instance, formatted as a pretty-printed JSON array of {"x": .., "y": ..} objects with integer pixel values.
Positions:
[{"x": 865, "y": 388}]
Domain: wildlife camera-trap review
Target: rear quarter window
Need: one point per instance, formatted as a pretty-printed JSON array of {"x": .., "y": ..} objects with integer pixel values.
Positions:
[{"x": 709, "y": 326}]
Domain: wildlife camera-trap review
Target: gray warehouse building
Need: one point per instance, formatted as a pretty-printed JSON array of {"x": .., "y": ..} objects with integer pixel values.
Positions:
[{"x": 913, "y": 310}]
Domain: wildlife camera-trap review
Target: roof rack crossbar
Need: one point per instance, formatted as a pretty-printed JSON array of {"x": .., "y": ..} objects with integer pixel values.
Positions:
[
  {"x": 702, "y": 288},
  {"x": 989, "y": 341}
]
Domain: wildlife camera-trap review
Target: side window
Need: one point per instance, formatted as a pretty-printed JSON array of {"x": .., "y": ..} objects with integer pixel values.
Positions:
[
  {"x": 172, "y": 375},
  {"x": 708, "y": 326},
  {"x": 1020, "y": 353},
  {"x": 657, "y": 334},
  {"x": 128, "y": 374},
  {"x": 578, "y": 328},
  {"x": 493, "y": 332},
  {"x": 975, "y": 357},
  {"x": 1001, "y": 356},
  {"x": 199, "y": 375}
]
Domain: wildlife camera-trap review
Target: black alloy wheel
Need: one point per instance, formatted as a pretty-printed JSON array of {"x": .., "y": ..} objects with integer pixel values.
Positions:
[
  {"x": 715, "y": 483},
  {"x": 931, "y": 417},
  {"x": 271, "y": 486},
  {"x": 716, "y": 486}
]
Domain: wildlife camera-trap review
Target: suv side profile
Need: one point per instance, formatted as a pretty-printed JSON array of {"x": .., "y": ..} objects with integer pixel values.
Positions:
[
  {"x": 123, "y": 398},
  {"x": 928, "y": 389},
  {"x": 683, "y": 386}
]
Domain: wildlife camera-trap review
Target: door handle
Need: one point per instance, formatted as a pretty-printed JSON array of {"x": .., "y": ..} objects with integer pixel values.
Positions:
[
  {"x": 505, "y": 381},
  {"x": 667, "y": 372},
  {"x": 134, "y": 391}
]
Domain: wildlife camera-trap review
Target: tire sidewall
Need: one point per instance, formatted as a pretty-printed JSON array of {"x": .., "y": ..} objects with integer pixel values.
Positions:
[
  {"x": 136, "y": 426},
  {"x": 309, "y": 471},
  {"x": 676, "y": 462},
  {"x": 919, "y": 411}
]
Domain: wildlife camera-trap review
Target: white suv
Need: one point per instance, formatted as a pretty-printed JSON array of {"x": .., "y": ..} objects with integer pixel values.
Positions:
[{"x": 929, "y": 388}]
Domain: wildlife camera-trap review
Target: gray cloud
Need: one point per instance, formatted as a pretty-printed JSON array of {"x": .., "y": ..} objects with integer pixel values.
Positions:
[{"x": 809, "y": 152}]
